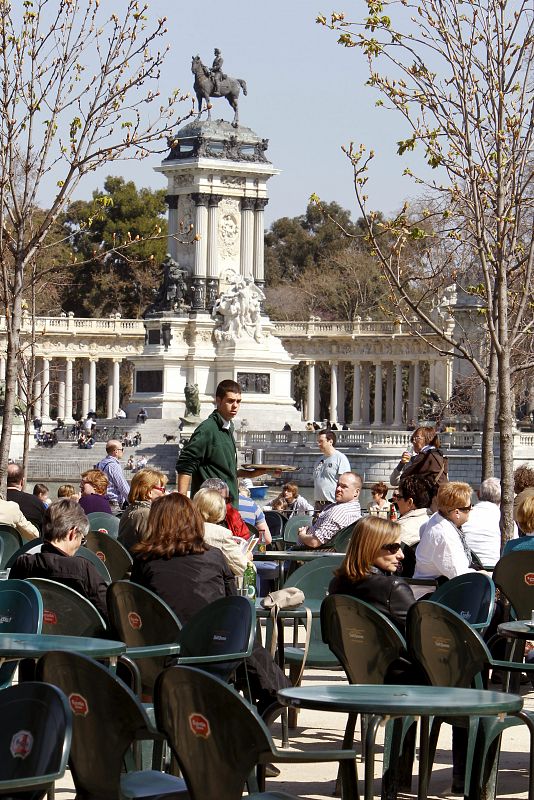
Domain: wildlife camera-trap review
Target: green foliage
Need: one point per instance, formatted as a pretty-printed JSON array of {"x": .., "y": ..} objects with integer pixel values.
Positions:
[{"x": 120, "y": 238}]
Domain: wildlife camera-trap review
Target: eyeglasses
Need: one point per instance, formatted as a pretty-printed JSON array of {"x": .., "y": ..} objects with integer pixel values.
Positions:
[
  {"x": 396, "y": 497},
  {"x": 392, "y": 547},
  {"x": 465, "y": 508}
]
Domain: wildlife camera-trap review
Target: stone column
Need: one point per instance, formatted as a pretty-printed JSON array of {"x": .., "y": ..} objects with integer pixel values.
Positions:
[
  {"x": 389, "y": 394},
  {"x": 259, "y": 239},
  {"x": 2, "y": 368},
  {"x": 92, "y": 384},
  {"x": 333, "y": 392},
  {"x": 68, "y": 391},
  {"x": 201, "y": 250},
  {"x": 377, "y": 421},
  {"x": 247, "y": 236},
  {"x": 37, "y": 398},
  {"x": 116, "y": 384},
  {"x": 173, "y": 225},
  {"x": 416, "y": 389},
  {"x": 212, "y": 285},
  {"x": 85, "y": 389},
  {"x": 45, "y": 406},
  {"x": 397, "y": 420},
  {"x": 410, "y": 413},
  {"x": 311, "y": 391},
  {"x": 341, "y": 393},
  {"x": 109, "y": 394},
  {"x": 356, "y": 395},
  {"x": 61, "y": 390},
  {"x": 366, "y": 394}
]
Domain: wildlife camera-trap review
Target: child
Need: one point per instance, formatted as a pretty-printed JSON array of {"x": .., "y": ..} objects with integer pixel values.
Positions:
[
  {"x": 40, "y": 490},
  {"x": 68, "y": 490}
]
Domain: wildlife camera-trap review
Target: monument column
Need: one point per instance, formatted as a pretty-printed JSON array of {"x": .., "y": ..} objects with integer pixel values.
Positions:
[
  {"x": 311, "y": 391},
  {"x": 416, "y": 390},
  {"x": 389, "y": 394},
  {"x": 201, "y": 250},
  {"x": 247, "y": 236},
  {"x": 92, "y": 384},
  {"x": 85, "y": 389},
  {"x": 212, "y": 285},
  {"x": 259, "y": 239},
  {"x": 333, "y": 391},
  {"x": 356, "y": 395},
  {"x": 37, "y": 399},
  {"x": 109, "y": 394},
  {"x": 68, "y": 391},
  {"x": 61, "y": 391},
  {"x": 410, "y": 413},
  {"x": 377, "y": 421},
  {"x": 366, "y": 394},
  {"x": 341, "y": 393},
  {"x": 46, "y": 391},
  {"x": 173, "y": 223},
  {"x": 116, "y": 385},
  {"x": 397, "y": 420}
]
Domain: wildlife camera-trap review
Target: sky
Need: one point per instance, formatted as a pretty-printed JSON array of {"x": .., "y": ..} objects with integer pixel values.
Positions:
[{"x": 306, "y": 94}]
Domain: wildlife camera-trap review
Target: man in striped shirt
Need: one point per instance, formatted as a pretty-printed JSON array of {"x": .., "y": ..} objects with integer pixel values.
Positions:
[{"x": 336, "y": 516}]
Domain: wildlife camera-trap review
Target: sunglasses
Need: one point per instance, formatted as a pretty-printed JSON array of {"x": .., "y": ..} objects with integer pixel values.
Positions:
[
  {"x": 392, "y": 547},
  {"x": 396, "y": 497},
  {"x": 465, "y": 508}
]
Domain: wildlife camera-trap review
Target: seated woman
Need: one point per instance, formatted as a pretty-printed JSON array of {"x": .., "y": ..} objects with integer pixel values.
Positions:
[
  {"x": 369, "y": 570},
  {"x": 525, "y": 520},
  {"x": 379, "y": 505},
  {"x": 212, "y": 508},
  {"x": 295, "y": 503},
  {"x": 176, "y": 563},
  {"x": 443, "y": 551},
  {"x": 93, "y": 486},
  {"x": 147, "y": 485}
]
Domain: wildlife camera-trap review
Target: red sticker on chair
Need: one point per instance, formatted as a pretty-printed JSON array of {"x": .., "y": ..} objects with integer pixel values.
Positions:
[
  {"x": 100, "y": 555},
  {"x": 199, "y": 725},
  {"x": 21, "y": 744},
  {"x": 50, "y": 617},
  {"x": 135, "y": 621},
  {"x": 529, "y": 578},
  {"x": 78, "y": 704}
]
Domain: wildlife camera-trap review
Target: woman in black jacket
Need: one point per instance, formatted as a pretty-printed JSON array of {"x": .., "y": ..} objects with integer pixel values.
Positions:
[
  {"x": 369, "y": 569},
  {"x": 175, "y": 562}
]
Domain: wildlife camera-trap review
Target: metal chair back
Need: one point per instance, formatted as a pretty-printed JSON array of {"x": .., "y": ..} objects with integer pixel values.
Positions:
[
  {"x": 116, "y": 558},
  {"x": 66, "y": 612},
  {"x": 276, "y": 523},
  {"x": 100, "y": 520},
  {"x": 12, "y": 542},
  {"x": 21, "y": 611},
  {"x": 513, "y": 574},
  {"x": 292, "y": 526},
  {"x": 472, "y": 596}
]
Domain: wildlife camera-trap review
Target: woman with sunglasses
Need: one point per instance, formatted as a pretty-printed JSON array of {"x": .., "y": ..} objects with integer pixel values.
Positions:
[
  {"x": 443, "y": 551},
  {"x": 426, "y": 459},
  {"x": 369, "y": 569},
  {"x": 147, "y": 485}
]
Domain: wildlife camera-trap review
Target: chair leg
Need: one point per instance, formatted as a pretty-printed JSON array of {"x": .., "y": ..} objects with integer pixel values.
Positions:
[{"x": 293, "y": 713}]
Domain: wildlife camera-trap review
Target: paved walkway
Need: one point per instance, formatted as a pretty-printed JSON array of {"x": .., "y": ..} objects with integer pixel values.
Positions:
[{"x": 321, "y": 730}]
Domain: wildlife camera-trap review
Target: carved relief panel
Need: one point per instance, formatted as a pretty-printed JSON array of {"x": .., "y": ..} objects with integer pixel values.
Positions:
[
  {"x": 185, "y": 253},
  {"x": 229, "y": 233}
]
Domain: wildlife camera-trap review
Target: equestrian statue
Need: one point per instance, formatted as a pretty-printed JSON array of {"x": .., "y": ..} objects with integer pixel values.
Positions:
[{"x": 214, "y": 83}]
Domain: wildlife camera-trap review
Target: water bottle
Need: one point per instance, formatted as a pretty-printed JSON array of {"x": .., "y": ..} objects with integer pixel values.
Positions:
[{"x": 249, "y": 581}]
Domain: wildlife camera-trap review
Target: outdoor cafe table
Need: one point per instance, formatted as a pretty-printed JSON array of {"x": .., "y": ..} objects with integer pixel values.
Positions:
[
  {"x": 293, "y": 555},
  {"x": 16, "y": 646},
  {"x": 389, "y": 701}
]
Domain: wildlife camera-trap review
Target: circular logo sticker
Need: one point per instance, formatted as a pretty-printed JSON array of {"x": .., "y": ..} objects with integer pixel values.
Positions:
[
  {"x": 199, "y": 725},
  {"x": 135, "y": 620},
  {"x": 78, "y": 704},
  {"x": 100, "y": 555},
  {"x": 21, "y": 744},
  {"x": 529, "y": 578}
]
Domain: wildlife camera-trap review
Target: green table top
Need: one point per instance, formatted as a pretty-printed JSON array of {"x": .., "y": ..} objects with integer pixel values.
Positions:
[
  {"x": 153, "y": 650},
  {"x": 519, "y": 629},
  {"x": 32, "y": 645},
  {"x": 401, "y": 700},
  {"x": 314, "y": 604}
]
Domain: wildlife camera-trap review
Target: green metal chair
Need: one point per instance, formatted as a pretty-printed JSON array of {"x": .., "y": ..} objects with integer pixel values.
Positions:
[
  {"x": 100, "y": 520},
  {"x": 472, "y": 596},
  {"x": 33, "y": 546},
  {"x": 512, "y": 575},
  {"x": 341, "y": 540},
  {"x": 12, "y": 541},
  {"x": 276, "y": 523},
  {"x": 108, "y": 719},
  {"x": 116, "y": 558},
  {"x": 66, "y": 612},
  {"x": 98, "y": 564},
  {"x": 453, "y": 654},
  {"x": 292, "y": 527},
  {"x": 140, "y": 618},
  {"x": 21, "y": 611},
  {"x": 218, "y": 740},
  {"x": 35, "y": 738}
]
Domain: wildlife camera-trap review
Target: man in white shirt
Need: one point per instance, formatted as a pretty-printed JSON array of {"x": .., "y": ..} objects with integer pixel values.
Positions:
[
  {"x": 482, "y": 529},
  {"x": 327, "y": 470}
]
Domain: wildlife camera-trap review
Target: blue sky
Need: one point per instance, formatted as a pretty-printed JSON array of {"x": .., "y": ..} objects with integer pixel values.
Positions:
[{"x": 306, "y": 94}]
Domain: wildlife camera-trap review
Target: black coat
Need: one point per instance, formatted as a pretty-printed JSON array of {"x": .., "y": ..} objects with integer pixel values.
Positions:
[
  {"x": 387, "y": 593},
  {"x": 77, "y": 573},
  {"x": 31, "y": 506}
]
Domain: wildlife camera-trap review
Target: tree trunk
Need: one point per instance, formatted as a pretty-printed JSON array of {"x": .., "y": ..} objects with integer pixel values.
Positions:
[
  {"x": 13, "y": 348},
  {"x": 488, "y": 426}
]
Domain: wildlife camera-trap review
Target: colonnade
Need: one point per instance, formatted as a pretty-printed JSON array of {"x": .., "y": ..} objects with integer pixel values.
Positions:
[
  {"x": 53, "y": 386},
  {"x": 389, "y": 386},
  {"x": 206, "y": 225}
]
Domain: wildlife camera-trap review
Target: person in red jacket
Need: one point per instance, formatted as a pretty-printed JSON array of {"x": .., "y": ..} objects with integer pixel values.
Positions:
[{"x": 233, "y": 518}]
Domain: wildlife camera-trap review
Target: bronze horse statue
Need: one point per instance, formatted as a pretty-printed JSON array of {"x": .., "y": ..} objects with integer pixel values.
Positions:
[{"x": 204, "y": 89}]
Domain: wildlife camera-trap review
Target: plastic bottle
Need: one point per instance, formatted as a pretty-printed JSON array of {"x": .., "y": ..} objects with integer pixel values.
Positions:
[
  {"x": 249, "y": 581},
  {"x": 393, "y": 513}
]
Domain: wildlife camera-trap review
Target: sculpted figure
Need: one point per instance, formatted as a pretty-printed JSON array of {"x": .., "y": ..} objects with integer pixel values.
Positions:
[
  {"x": 192, "y": 402},
  {"x": 214, "y": 83},
  {"x": 238, "y": 311},
  {"x": 216, "y": 71}
]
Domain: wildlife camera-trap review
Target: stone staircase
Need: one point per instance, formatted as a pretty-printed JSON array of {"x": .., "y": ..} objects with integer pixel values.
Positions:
[{"x": 66, "y": 462}]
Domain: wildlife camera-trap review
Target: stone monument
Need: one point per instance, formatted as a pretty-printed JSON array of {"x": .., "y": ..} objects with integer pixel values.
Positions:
[{"x": 207, "y": 322}]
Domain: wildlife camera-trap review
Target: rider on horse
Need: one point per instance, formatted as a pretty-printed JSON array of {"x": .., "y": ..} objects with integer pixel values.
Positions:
[{"x": 216, "y": 72}]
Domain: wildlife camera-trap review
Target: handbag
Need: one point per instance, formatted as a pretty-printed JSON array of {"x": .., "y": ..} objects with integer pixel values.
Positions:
[{"x": 288, "y": 597}]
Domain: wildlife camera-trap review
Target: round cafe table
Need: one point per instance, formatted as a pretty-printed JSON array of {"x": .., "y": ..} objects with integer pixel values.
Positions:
[
  {"x": 388, "y": 701},
  {"x": 16, "y": 646}
]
